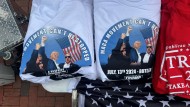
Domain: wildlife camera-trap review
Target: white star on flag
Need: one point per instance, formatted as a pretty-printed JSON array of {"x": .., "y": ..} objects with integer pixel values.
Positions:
[
  {"x": 170, "y": 97},
  {"x": 94, "y": 102},
  {"x": 149, "y": 97},
  {"x": 120, "y": 101},
  {"x": 165, "y": 103},
  {"x": 88, "y": 94},
  {"x": 96, "y": 89},
  {"x": 101, "y": 98},
  {"x": 137, "y": 89},
  {"x": 141, "y": 103},
  {"x": 107, "y": 95},
  {"x": 89, "y": 86},
  {"x": 116, "y": 88},
  {"x": 148, "y": 85},
  {"x": 187, "y": 103},
  {"x": 128, "y": 96},
  {"x": 109, "y": 105}
]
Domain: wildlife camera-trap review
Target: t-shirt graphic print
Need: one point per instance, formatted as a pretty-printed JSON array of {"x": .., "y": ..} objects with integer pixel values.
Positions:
[
  {"x": 127, "y": 49},
  {"x": 55, "y": 52},
  {"x": 125, "y": 38}
]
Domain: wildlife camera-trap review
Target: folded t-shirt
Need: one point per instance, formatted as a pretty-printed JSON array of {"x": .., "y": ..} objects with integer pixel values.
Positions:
[
  {"x": 126, "y": 33},
  {"x": 176, "y": 60},
  {"x": 59, "y": 41}
]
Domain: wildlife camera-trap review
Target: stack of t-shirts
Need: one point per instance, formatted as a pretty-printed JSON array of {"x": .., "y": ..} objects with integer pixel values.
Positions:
[
  {"x": 174, "y": 75},
  {"x": 59, "y": 42},
  {"x": 126, "y": 33}
]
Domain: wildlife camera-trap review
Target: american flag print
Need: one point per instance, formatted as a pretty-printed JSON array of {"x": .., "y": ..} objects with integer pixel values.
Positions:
[
  {"x": 125, "y": 94},
  {"x": 150, "y": 35},
  {"x": 68, "y": 44}
]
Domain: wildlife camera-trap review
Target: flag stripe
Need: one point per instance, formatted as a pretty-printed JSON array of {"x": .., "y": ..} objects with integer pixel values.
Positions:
[
  {"x": 69, "y": 45},
  {"x": 152, "y": 39},
  {"x": 77, "y": 50},
  {"x": 72, "y": 50}
]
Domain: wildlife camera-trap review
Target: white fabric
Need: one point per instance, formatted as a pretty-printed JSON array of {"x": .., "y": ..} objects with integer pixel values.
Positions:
[
  {"x": 81, "y": 100},
  {"x": 139, "y": 56},
  {"x": 56, "y": 64},
  {"x": 146, "y": 58},
  {"x": 34, "y": 79},
  {"x": 109, "y": 12},
  {"x": 74, "y": 15},
  {"x": 66, "y": 85},
  {"x": 66, "y": 65}
]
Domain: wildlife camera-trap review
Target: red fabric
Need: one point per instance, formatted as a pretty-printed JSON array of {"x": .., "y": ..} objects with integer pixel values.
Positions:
[
  {"x": 176, "y": 67},
  {"x": 178, "y": 56},
  {"x": 159, "y": 84}
]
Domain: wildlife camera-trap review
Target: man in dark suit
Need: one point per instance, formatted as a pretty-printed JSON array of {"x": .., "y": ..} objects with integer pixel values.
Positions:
[
  {"x": 35, "y": 63},
  {"x": 132, "y": 51},
  {"x": 68, "y": 66},
  {"x": 48, "y": 63},
  {"x": 124, "y": 54},
  {"x": 52, "y": 61},
  {"x": 148, "y": 57},
  {"x": 120, "y": 56},
  {"x": 135, "y": 57}
]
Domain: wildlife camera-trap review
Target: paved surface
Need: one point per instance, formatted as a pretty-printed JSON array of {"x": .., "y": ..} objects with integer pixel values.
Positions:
[{"x": 26, "y": 94}]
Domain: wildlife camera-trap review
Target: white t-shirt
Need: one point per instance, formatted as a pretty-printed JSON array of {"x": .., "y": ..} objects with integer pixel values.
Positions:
[
  {"x": 67, "y": 25},
  {"x": 111, "y": 19}
]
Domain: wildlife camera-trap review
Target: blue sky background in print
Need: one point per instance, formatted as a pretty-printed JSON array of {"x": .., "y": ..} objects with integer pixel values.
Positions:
[
  {"x": 52, "y": 45},
  {"x": 135, "y": 34}
]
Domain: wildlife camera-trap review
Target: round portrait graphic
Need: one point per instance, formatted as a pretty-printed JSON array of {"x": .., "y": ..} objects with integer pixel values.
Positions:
[
  {"x": 55, "y": 52},
  {"x": 127, "y": 50}
]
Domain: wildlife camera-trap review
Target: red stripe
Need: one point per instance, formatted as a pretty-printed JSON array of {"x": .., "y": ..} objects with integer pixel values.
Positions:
[
  {"x": 65, "y": 50},
  {"x": 77, "y": 49},
  {"x": 74, "y": 49},
  {"x": 153, "y": 40},
  {"x": 71, "y": 51}
]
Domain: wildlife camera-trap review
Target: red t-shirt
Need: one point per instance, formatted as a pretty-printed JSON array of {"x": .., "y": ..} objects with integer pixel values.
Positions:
[{"x": 173, "y": 77}]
